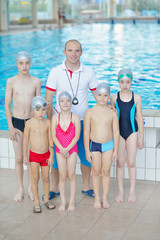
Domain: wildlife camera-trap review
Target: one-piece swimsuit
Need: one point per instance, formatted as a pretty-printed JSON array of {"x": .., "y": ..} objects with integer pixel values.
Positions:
[
  {"x": 66, "y": 137},
  {"x": 126, "y": 114}
]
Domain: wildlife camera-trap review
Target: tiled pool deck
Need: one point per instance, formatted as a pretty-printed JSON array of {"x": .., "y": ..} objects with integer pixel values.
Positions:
[{"x": 123, "y": 221}]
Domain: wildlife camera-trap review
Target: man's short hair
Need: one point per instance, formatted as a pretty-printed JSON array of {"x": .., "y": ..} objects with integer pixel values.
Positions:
[{"x": 73, "y": 40}]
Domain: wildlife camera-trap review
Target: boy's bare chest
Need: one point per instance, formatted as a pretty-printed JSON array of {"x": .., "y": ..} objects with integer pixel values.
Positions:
[
  {"x": 23, "y": 88},
  {"x": 39, "y": 130},
  {"x": 102, "y": 118}
]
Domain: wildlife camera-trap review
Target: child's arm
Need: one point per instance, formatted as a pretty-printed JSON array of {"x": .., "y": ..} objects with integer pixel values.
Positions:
[
  {"x": 25, "y": 141},
  {"x": 8, "y": 96},
  {"x": 51, "y": 147},
  {"x": 38, "y": 87},
  {"x": 112, "y": 103},
  {"x": 76, "y": 121},
  {"x": 116, "y": 137},
  {"x": 86, "y": 135},
  {"x": 113, "y": 100},
  {"x": 49, "y": 98},
  {"x": 139, "y": 121},
  {"x": 53, "y": 132}
]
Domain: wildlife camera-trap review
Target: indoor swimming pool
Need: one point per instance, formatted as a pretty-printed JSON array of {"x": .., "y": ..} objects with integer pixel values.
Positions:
[{"x": 106, "y": 48}]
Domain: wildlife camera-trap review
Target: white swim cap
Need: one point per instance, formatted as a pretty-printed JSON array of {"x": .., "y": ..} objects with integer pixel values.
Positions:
[
  {"x": 23, "y": 55},
  {"x": 38, "y": 102},
  {"x": 103, "y": 88},
  {"x": 65, "y": 94},
  {"x": 125, "y": 72}
]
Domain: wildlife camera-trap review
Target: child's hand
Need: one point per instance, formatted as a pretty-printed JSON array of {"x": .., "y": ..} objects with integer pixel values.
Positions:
[
  {"x": 13, "y": 134},
  {"x": 50, "y": 161},
  {"x": 64, "y": 152},
  {"x": 140, "y": 143},
  {"x": 89, "y": 156},
  {"x": 114, "y": 157},
  {"x": 113, "y": 108},
  {"x": 25, "y": 161}
]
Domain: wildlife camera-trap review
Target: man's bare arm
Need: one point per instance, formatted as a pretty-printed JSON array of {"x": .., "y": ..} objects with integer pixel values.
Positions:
[
  {"x": 49, "y": 98},
  {"x": 94, "y": 93},
  {"x": 38, "y": 87}
]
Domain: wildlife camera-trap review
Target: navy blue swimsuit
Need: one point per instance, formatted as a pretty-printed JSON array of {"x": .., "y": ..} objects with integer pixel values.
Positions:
[{"x": 126, "y": 115}]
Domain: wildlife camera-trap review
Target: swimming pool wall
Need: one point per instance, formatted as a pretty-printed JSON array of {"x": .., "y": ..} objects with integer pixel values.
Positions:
[{"x": 147, "y": 161}]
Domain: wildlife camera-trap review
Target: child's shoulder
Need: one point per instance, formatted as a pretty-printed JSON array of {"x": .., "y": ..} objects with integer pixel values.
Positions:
[
  {"x": 137, "y": 97},
  {"x": 35, "y": 79},
  {"x": 11, "y": 80},
  {"x": 29, "y": 122},
  {"x": 110, "y": 111},
  {"x": 47, "y": 121},
  {"x": 92, "y": 110},
  {"x": 55, "y": 116},
  {"x": 88, "y": 113},
  {"x": 75, "y": 116}
]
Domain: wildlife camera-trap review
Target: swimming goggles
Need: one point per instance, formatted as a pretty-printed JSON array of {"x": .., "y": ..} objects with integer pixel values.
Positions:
[
  {"x": 123, "y": 75},
  {"x": 39, "y": 105}
]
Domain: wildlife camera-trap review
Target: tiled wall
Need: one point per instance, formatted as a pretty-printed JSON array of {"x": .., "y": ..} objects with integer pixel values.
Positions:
[{"x": 148, "y": 159}]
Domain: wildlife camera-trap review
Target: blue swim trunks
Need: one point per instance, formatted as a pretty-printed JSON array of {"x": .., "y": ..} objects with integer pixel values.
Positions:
[
  {"x": 101, "y": 147},
  {"x": 81, "y": 150}
]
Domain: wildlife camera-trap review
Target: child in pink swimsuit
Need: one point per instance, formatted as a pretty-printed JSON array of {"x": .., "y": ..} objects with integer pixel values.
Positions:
[
  {"x": 65, "y": 133},
  {"x": 66, "y": 137}
]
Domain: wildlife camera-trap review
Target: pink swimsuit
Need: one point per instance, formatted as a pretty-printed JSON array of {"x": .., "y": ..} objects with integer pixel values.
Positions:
[{"x": 66, "y": 137}]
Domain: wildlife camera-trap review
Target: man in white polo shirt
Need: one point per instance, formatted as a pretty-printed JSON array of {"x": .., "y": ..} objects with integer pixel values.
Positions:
[{"x": 77, "y": 79}]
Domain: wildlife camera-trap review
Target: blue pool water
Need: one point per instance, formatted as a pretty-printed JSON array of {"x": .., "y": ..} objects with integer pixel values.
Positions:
[{"x": 106, "y": 48}]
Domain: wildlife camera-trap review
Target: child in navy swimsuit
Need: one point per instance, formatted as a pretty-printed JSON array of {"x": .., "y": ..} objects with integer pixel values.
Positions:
[
  {"x": 101, "y": 141},
  {"x": 129, "y": 108}
]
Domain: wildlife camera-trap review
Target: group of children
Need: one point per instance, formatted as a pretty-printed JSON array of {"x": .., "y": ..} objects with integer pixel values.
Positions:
[
  {"x": 112, "y": 133},
  {"x": 108, "y": 137}
]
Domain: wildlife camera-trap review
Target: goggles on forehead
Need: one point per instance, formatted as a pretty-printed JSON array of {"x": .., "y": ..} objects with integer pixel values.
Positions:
[
  {"x": 39, "y": 105},
  {"x": 123, "y": 75}
]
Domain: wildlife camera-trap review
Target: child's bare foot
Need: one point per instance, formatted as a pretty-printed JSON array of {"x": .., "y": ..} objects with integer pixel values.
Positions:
[
  {"x": 97, "y": 205},
  {"x": 62, "y": 208},
  {"x": 119, "y": 197},
  {"x": 30, "y": 195},
  {"x": 132, "y": 197},
  {"x": 71, "y": 208},
  {"x": 19, "y": 196},
  {"x": 106, "y": 204}
]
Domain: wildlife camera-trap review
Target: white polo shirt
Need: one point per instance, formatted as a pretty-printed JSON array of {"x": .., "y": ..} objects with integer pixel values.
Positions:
[{"x": 58, "y": 81}]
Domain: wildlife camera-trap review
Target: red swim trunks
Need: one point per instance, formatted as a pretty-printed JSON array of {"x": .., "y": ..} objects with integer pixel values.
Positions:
[{"x": 39, "y": 158}]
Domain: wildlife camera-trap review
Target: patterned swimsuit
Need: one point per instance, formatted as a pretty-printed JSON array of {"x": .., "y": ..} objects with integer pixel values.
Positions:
[{"x": 66, "y": 137}]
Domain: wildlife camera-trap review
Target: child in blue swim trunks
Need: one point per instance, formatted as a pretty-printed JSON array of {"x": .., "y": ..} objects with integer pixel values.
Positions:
[
  {"x": 129, "y": 107},
  {"x": 101, "y": 140}
]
